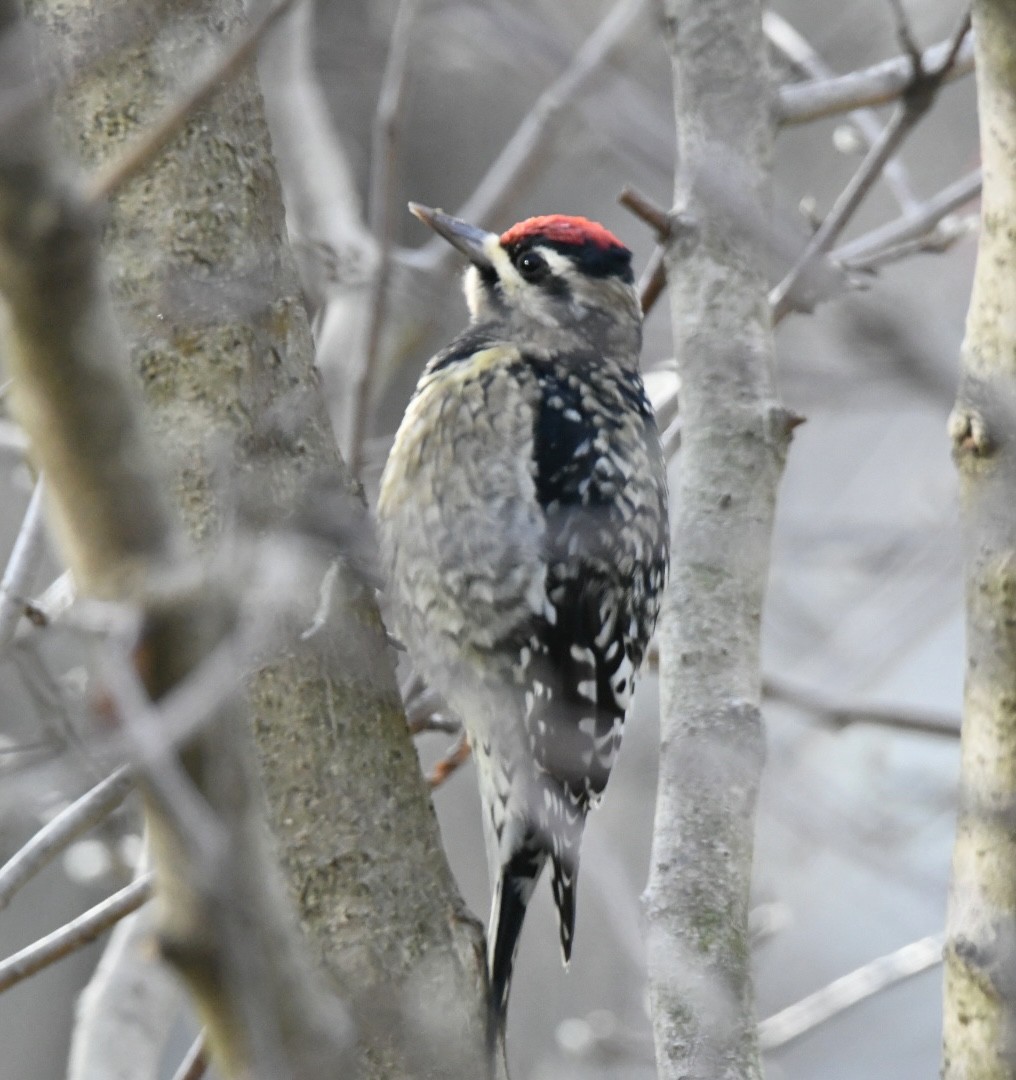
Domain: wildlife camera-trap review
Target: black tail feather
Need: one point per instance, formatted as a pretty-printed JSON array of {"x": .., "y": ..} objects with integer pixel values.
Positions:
[
  {"x": 563, "y": 885},
  {"x": 514, "y": 889}
]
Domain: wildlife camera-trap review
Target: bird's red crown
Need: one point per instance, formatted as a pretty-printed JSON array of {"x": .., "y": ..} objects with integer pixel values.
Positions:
[{"x": 561, "y": 229}]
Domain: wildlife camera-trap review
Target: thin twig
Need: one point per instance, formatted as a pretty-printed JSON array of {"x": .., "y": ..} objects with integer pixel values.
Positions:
[
  {"x": 195, "y": 1061},
  {"x": 916, "y": 100},
  {"x": 910, "y": 226},
  {"x": 156, "y": 136},
  {"x": 796, "y": 48},
  {"x": 840, "y": 716},
  {"x": 653, "y": 280},
  {"x": 457, "y": 755},
  {"x": 167, "y": 786},
  {"x": 387, "y": 128},
  {"x": 903, "y": 120},
  {"x": 21, "y": 567},
  {"x": 179, "y": 715},
  {"x": 654, "y": 277},
  {"x": 74, "y": 935},
  {"x": 648, "y": 211},
  {"x": 874, "y": 977},
  {"x": 55, "y": 835},
  {"x": 935, "y": 242},
  {"x": 515, "y": 161},
  {"x": 52, "y": 605},
  {"x": 881, "y": 84},
  {"x": 905, "y": 36}
]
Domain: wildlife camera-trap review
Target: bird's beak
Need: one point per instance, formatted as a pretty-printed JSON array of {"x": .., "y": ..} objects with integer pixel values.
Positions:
[{"x": 471, "y": 241}]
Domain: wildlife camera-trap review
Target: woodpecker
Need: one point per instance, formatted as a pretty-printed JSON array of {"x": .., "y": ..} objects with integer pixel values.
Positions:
[{"x": 524, "y": 533}]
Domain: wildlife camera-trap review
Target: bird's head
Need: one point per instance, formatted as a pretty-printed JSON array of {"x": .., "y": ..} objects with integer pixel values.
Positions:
[{"x": 563, "y": 275}]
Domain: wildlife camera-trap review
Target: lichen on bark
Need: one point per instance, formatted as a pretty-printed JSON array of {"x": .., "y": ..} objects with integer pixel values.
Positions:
[{"x": 979, "y": 1021}]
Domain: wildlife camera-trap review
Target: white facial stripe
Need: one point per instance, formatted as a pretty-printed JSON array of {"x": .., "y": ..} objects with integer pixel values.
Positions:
[
  {"x": 501, "y": 261},
  {"x": 559, "y": 265}
]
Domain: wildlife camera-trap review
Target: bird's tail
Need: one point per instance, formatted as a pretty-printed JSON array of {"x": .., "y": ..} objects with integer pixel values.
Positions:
[
  {"x": 512, "y": 892},
  {"x": 563, "y": 884}
]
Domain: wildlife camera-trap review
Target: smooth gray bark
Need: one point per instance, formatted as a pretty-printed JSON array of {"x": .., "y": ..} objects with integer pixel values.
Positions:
[{"x": 734, "y": 439}]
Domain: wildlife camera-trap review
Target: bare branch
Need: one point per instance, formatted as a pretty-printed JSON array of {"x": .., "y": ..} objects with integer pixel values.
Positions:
[
  {"x": 74, "y": 935},
  {"x": 938, "y": 240},
  {"x": 195, "y": 1061},
  {"x": 849, "y": 990},
  {"x": 917, "y": 98},
  {"x": 881, "y": 84},
  {"x": 21, "y": 568},
  {"x": 159, "y": 134},
  {"x": 648, "y": 211},
  {"x": 49, "y": 607},
  {"x": 903, "y": 120},
  {"x": 382, "y": 217},
  {"x": 125, "y": 1014},
  {"x": 905, "y": 36},
  {"x": 654, "y": 276},
  {"x": 840, "y": 716},
  {"x": 653, "y": 280},
  {"x": 54, "y": 837},
  {"x": 857, "y": 253},
  {"x": 799, "y": 52},
  {"x": 177, "y": 801},
  {"x": 334, "y": 248}
]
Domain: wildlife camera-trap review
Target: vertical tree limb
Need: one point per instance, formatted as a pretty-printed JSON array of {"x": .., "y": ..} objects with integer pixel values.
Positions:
[
  {"x": 979, "y": 1024},
  {"x": 125, "y": 1014},
  {"x": 734, "y": 439},
  {"x": 223, "y": 352},
  {"x": 73, "y": 393}
]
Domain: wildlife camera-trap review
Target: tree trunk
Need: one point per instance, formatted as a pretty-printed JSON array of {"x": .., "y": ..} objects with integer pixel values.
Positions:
[
  {"x": 979, "y": 1022},
  {"x": 204, "y": 283},
  {"x": 734, "y": 438}
]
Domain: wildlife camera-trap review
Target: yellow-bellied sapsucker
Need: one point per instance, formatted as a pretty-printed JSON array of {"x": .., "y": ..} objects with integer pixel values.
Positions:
[{"x": 523, "y": 518}]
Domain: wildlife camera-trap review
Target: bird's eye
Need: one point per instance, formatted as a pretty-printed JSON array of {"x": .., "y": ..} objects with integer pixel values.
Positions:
[{"x": 531, "y": 266}]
